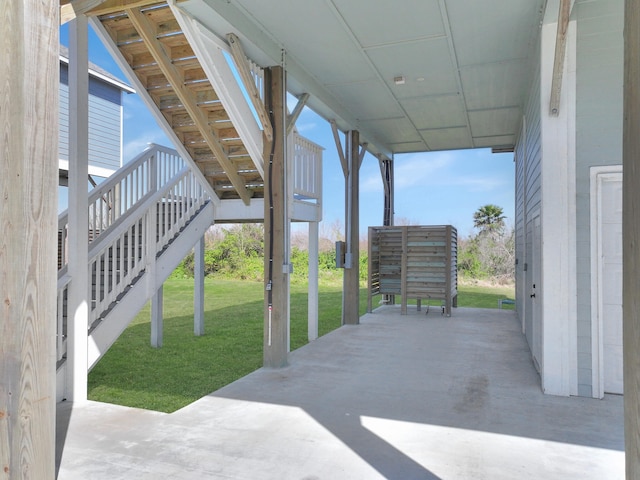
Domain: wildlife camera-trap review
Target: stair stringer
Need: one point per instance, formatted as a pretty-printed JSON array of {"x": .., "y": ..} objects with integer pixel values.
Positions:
[{"x": 111, "y": 326}]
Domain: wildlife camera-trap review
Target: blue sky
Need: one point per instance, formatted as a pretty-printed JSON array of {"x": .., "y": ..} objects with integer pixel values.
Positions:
[{"x": 430, "y": 188}]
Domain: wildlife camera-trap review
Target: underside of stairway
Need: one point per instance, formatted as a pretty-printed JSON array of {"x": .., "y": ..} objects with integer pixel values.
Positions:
[{"x": 152, "y": 42}]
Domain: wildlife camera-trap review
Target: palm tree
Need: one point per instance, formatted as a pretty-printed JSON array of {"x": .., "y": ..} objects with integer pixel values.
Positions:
[{"x": 489, "y": 218}]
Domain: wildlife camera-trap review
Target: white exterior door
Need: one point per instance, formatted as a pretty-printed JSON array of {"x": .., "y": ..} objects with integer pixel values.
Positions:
[{"x": 609, "y": 280}]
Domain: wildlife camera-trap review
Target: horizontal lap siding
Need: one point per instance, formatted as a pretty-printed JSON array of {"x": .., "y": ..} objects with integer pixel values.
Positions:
[
  {"x": 104, "y": 133},
  {"x": 63, "y": 120},
  {"x": 528, "y": 187},
  {"x": 105, "y": 122}
]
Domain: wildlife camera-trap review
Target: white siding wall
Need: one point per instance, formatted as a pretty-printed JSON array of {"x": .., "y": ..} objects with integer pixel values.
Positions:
[{"x": 598, "y": 141}]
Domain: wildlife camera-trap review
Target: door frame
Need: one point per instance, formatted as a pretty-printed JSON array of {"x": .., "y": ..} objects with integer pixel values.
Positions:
[{"x": 597, "y": 176}]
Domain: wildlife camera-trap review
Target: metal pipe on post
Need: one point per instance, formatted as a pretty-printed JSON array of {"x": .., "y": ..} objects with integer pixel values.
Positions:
[{"x": 276, "y": 280}]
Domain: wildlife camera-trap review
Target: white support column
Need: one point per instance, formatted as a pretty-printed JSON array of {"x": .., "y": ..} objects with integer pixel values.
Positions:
[
  {"x": 79, "y": 288},
  {"x": 29, "y": 166},
  {"x": 157, "y": 317},
  {"x": 198, "y": 290},
  {"x": 558, "y": 214},
  {"x": 312, "y": 314},
  {"x": 154, "y": 218}
]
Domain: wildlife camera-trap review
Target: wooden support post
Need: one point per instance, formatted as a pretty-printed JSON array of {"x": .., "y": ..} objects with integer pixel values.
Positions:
[
  {"x": 198, "y": 290},
  {"x": 351, "y": 279},
  {"x": 29, "y": 164},
  {"x": 631, "y": 236},
  {"x": 80, "y": 285},
  {"x": 276, "y": 312},
  {"x": 312, "y": 310},
  {"x": 157, "y": 317}
]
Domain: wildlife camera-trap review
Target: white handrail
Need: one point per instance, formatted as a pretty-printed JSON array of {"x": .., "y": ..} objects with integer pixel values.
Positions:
[{"x": 152, "y": 199}]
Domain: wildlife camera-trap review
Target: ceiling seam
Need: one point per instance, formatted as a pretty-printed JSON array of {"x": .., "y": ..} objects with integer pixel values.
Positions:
[
  {"x": 452, "y": 50},
  {"x": 356, "y": 43},
  {"x": 409, "y": 41}
]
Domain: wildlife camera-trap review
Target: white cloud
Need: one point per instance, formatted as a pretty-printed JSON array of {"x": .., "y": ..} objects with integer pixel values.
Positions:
[
  {"x": 450, "y": 169},
  {"x": 306, "y": 127},
  {"x": 421, "y": 169},
  {"x": 138, "y": 144}
]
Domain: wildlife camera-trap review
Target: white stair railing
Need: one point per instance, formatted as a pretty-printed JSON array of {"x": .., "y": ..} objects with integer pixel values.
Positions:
[
  {"x": 133, "y": 215},
  {"x": 307, "y": 168}
]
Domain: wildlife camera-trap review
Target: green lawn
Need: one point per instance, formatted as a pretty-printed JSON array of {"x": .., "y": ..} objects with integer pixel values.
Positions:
[{"x": 187, "y": 367}]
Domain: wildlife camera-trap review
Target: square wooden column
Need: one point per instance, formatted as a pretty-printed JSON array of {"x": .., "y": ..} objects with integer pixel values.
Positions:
[
  {"x": 28, "y": 201},
  {"x": 631, "y": 238},
  {"x": 351, "y": 276},
  {"x": 80, "y": 285},
  {"x": 276, "y": 298}
]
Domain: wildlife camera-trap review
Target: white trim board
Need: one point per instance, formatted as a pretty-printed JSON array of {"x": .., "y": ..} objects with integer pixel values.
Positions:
[
  {"x": 597, "y": 175},
  {"x": 558, "y": 215}
]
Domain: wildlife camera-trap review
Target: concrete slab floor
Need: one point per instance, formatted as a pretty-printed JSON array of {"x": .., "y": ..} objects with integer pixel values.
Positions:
[{"x": 398, "y": 397}]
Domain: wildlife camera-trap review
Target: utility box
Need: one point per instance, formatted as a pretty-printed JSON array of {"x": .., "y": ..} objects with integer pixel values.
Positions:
[{"x": 415, "y": 262}]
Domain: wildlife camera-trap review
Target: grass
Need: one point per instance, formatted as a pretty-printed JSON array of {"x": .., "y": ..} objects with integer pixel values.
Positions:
[{"x": 187, "y": 367}]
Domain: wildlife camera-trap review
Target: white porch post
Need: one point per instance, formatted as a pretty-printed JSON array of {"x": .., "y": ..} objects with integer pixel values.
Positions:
[
  {"x": 312, "y": 314},
  {"x": 157, "y": 317},
  {"x": 28, "y": 182},
  {"x": 198, "y": 291},
  {"x": 557, "y": 294},
  {"x": 631, "y": 234},
  {"x": 80, "y": 285}
]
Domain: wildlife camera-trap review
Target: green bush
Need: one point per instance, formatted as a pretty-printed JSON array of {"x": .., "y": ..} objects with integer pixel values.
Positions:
[{"x": 239, "y": 254}]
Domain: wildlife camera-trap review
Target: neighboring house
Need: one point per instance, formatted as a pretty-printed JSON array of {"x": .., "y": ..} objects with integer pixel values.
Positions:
[
  {"x": 569, "y": 207},
  {"x": 105, "y": 120}
]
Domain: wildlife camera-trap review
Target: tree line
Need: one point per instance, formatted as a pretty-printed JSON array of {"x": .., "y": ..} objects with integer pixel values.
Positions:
[{"x": 237, "y": 251}]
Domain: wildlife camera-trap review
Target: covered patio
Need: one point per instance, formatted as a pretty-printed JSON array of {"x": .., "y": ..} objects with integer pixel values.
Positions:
[{"x": 399, "y": 396}]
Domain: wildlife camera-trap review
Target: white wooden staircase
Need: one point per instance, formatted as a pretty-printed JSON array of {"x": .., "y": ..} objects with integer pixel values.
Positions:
[
  {"x": 207, "y": 97},
  {"x": 143, "y": 221}
]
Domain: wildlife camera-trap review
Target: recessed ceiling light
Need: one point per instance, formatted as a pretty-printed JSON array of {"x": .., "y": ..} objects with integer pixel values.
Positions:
[{"x": 398, "y": 80}]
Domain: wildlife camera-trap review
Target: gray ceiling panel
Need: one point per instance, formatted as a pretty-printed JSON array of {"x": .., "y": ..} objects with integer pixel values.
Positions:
[
  {"x": 447, "y": 138},
  {"x": 495, "y": 85},
  {"x": 500, "y": 141},
  {"x": 383, "y": 22},
  {"x": 367, "y": 100},
  {"x": 489, "y": 123},
  {"x": 398, "y": 130},
  {"x": 430, "y": 71},
  {"x": 487, "y": 32},
  {"x": 436, "y": 112}
]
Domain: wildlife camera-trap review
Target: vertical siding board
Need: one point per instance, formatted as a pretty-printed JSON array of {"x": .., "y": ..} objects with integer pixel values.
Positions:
[{"x": 528, "y": 187}]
